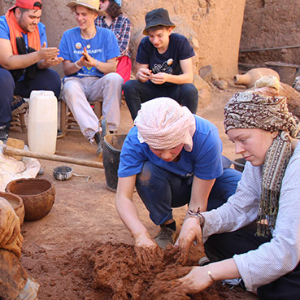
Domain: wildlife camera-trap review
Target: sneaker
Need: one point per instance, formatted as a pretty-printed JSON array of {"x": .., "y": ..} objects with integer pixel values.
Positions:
[
  {"x": 232, "y": 283},
  {"x": 4, "y": 135},
  {"x": 99, "y": 141},
  {"x": 165, "y": 237},
  {"x": 59, "y": 134}
]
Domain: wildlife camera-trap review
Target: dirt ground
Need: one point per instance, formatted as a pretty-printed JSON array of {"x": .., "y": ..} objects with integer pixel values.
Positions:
[{"x": 83, "y": 233}]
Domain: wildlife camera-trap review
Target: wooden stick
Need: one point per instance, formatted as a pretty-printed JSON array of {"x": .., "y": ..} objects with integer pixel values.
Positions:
[{"x": 12, "y": 151}]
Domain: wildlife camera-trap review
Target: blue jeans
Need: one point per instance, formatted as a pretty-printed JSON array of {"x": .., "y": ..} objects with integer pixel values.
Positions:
[
  {"x": 161, "y": 190},
  {"x": 45, "y": 79},
  {"x": 136, "y": 92}
]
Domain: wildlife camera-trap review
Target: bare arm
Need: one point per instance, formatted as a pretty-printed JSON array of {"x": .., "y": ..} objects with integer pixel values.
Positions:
[
  {"x": 9, "y": 61},
  {"x": 191, "y": 230},
  {"x": 128, "y": 212},
  {"x": 200, "y": 192},
  {"x": 186, "y": 77},
  {"x": 87, "y": 61},
  {"x": 198, "y": 278}
]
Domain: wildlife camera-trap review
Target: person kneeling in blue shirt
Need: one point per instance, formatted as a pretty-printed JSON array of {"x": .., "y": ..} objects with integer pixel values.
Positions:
[{"x": 173, "y": 158}]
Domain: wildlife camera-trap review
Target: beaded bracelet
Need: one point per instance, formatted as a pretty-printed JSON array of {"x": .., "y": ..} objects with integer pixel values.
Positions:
[
  {"x": 195, "y": 214},
  {"x": 76, "y": 65}
]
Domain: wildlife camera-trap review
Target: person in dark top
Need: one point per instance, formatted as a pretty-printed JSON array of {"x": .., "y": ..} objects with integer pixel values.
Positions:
[{"x": 164, "y": 66}]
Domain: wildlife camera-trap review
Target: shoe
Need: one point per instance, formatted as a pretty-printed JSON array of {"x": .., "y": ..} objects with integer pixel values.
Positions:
[
  {"x": 234, "y": 282},
  {"x": 59, "y": 134},
  {"x": 99, "y": 141},
  {"x": 165, "y": 237},
  {"x": 4, "y": 135}
]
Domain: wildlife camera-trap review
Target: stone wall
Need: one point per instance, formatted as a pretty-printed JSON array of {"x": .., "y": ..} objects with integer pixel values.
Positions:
[
  {"x": 213, "y": 27},
  {"x": 271, "y": 24}
]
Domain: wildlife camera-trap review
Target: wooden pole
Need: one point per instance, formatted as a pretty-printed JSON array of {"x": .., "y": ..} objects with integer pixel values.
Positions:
[{"x": 12, "y": 151}]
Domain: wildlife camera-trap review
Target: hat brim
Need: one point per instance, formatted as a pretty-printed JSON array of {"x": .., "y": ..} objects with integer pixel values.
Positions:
[
  {"x": 145, "y": 31},
  {"x": 12, "y": 7},
  {"x": 98, "y": 11}
]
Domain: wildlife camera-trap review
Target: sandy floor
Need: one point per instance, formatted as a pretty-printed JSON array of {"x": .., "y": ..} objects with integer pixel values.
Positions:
[{"x": 59, "y": 250}]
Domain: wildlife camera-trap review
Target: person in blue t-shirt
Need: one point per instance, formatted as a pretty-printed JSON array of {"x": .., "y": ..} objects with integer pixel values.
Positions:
[
  {"x": 90, "y": 61},
  {"x": 164, "y": 66},
  {"x": 24, "y": 59},
  {"x": 173, "y": 158}
]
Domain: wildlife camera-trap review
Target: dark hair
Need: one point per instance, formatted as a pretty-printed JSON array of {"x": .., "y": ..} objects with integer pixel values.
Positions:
[
  {"x": 158, "y": 27},
  {"x": 114, "y": 10}
]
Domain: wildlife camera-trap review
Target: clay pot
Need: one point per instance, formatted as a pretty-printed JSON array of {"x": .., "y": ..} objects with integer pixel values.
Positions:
[
  {"x": 248, "y": 79},
  {"x": 38, "y": 196},
  {"x": 17, "y": 204}
]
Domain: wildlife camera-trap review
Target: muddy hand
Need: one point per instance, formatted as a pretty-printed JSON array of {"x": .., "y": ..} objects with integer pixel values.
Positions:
[
  {"x": 48, "y": 53},
  {"x": 148, "y": 256},
  {"x": 147, "y": 250},
  {"x": 9, "y": 223},
  {"x": 54, "y": 61},
  {"x": 195, "y": 281},
  {"x": 190, "y": 232}
]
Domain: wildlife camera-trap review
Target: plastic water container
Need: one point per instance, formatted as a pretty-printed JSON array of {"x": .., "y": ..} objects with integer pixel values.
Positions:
[{"x": 42, "y": 122}]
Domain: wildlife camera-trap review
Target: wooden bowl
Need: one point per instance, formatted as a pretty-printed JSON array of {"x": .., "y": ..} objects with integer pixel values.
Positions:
[
  {"x": 38, "y": 196},
  {"x": 17, "y": 204}
]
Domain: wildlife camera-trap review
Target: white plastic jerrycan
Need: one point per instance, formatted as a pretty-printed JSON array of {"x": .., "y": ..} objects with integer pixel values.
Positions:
[{"x": 42, "y": 122}]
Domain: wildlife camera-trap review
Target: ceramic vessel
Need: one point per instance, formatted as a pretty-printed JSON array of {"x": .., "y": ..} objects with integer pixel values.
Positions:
[
  {"x": 17, "y": 204},
  {"x": 38, "y": 196},
  {"x": 248, "y": 79}
]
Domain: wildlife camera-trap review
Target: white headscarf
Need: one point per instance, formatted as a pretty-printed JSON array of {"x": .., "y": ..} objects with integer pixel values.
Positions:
[{"x": 163, "y": 124}]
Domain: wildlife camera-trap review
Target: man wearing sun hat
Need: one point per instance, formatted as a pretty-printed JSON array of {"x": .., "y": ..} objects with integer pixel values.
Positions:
[
  {"x": 90, "y": 61},
  {"x": 24, "y": 58},
  {"x": 164, "y": 66}
]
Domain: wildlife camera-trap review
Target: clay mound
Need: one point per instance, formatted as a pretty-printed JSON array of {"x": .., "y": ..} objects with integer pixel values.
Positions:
[{"x": 118, "y": 271}]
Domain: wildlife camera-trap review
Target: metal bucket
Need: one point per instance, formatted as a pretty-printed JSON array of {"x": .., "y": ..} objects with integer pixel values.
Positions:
[{"x": 112, "y": 147}]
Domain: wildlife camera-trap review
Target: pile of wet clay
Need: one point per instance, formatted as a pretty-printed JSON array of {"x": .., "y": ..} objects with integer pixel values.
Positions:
[{"x": 118, "y": 271}]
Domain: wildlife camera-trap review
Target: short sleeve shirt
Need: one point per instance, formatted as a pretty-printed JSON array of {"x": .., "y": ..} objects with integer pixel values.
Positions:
[
  {"x": 103, "y": 46},
  {"x": 204, "y": 161},
  {"x": 179, "y": 49}
]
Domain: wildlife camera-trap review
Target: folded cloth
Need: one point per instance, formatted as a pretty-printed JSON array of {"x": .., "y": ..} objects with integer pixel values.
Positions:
[{"x": 11, "y": 169}]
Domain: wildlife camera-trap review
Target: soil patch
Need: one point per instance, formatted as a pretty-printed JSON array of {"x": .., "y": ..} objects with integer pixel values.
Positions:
[
  {"x": 61, "y": 251},
  {"x": 107, "y": 271}
]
